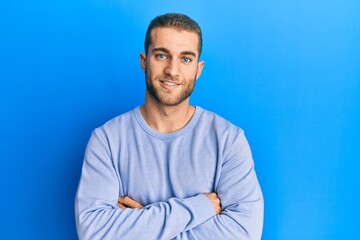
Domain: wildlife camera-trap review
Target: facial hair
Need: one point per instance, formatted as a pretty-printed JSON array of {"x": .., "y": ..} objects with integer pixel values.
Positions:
[{"x": 162, "y": 98}]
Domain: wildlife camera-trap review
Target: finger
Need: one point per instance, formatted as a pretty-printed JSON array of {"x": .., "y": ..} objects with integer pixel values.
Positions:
[
  {"x": 120, "y": 200},
  {"x": 121, "y": 206},
  {"x": 121, "y": 203},
  {"x": 128, "y": 201}
]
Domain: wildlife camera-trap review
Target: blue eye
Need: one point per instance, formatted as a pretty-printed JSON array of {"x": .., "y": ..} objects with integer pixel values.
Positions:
[
  {"x": 160, "y": 56},
  {"x": 185, "y": 59}
]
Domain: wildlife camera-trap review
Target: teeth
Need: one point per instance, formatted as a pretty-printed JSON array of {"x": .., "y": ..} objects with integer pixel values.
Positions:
[{"x": 169, "y": 83}]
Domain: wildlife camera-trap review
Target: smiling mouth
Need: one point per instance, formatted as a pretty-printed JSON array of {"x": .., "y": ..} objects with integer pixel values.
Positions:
[{"x": 169, "y": 83}]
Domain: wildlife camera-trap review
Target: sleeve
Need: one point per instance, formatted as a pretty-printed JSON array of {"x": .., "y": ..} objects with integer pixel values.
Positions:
[
  {"x": 241, "y": 198},
  {"x": 98, "y": 216}
]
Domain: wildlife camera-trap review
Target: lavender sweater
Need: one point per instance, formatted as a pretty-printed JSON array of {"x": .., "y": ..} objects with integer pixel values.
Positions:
[{"x": 167, "y": 174}]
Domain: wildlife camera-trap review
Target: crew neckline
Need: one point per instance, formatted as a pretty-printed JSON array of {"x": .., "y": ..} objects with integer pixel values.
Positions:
[{"x": 167, "y": 136}]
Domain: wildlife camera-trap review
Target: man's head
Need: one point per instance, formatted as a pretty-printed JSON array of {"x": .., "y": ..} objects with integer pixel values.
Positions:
[
  {"x": 177, "y": 21},
  {"x": 171, "y": 62}
]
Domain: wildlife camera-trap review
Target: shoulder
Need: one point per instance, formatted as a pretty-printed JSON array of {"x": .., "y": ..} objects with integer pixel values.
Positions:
[
  {"x": 219, "y": 129},
  {"x": 228, "y": 137},
  {"x": 218, "y": 123}
]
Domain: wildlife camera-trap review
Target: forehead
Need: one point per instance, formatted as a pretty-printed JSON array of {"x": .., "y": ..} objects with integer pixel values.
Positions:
[{"x": 174, "y": 39}]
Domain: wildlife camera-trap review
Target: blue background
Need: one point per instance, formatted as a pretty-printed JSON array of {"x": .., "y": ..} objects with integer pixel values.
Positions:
[{"x": 287, "y": 72}]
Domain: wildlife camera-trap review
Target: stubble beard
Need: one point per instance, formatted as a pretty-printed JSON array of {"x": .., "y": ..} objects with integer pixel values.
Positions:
[{"x": 168, "y": 100}]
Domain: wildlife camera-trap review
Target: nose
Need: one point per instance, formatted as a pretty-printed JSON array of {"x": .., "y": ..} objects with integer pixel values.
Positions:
[{"x": 172, "y": 68}]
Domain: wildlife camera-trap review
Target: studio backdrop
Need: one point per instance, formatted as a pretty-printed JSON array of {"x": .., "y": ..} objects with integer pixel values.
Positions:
[{"x": 287, "y": 72}]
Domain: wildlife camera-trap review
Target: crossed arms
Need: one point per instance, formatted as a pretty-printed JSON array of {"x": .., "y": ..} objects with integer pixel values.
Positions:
[
  {"x": 101, "y": 214},
  {"x": 128, "y": 202}
]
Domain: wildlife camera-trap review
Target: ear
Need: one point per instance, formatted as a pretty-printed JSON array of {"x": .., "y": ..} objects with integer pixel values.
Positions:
[
  {"x": 199, "y": 68},
  {"x": 143, "y": 61}
]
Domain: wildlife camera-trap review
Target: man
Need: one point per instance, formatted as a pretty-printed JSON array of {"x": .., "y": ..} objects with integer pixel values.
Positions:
[{"x": 169, "y": 170}]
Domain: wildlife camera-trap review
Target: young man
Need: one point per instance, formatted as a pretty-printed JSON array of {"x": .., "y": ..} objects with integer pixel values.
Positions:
[{"x": 169, "y": 170}]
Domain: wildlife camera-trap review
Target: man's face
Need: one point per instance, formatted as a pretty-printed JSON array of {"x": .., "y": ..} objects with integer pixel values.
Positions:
[{"x": 171, "y": 65}]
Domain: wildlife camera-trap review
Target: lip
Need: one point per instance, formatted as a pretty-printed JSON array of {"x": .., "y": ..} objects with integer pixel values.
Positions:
[{"x": 168, "y": 84}]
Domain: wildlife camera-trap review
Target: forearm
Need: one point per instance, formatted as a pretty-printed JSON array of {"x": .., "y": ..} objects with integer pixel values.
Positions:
[
  {"x": 233, "y": 223},
  {"x": 163, "y": 220}
]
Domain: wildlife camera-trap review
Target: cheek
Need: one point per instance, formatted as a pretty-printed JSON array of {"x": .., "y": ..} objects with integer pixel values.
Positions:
[
  {"x": 155, "y": 69},
  {"x": 190, "y": 72}
]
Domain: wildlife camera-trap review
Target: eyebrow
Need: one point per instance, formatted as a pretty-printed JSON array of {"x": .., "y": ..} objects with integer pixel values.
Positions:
[
  {"x": 161, "y": 49},
  {"x": 188, "y": 53}
]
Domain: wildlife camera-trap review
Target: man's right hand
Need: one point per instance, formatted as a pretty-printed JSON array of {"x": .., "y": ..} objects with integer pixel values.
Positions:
[
  {"x": 128, "y": 202},
  {"x": 215, "y": 201}
]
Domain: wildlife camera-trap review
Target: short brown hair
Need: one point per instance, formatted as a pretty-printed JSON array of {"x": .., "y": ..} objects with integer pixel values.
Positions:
[{"x": 177, "y": 21}]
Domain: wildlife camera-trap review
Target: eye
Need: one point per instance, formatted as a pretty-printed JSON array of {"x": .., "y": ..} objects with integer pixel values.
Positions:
[
  {"x": 160, "y": 56},
  {"x": 186, "y": 59}
]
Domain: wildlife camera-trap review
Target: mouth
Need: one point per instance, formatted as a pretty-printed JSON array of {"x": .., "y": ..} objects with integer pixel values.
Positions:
[{"x": 168, "y": 84}]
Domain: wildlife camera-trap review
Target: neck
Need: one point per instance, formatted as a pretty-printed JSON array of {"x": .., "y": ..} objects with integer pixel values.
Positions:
[{"x": 166, "y": 119}]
